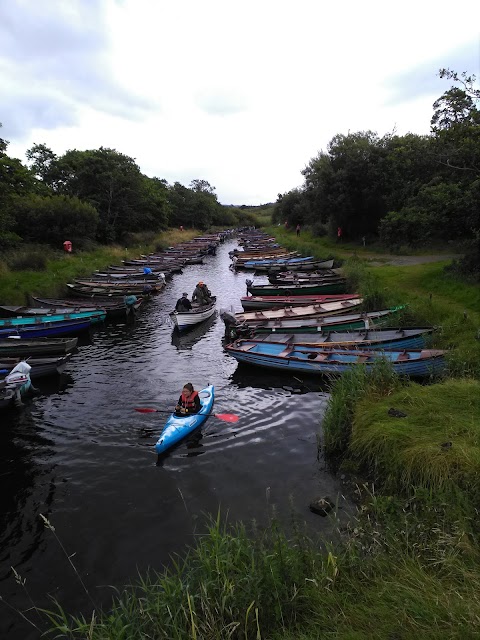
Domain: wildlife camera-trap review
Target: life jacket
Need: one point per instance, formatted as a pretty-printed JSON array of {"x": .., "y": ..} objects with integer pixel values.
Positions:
[{"x": 188, "y": 403}]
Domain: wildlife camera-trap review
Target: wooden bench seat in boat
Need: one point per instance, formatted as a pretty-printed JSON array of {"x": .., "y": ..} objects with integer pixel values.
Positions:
[{"x": 244, "y": 347}]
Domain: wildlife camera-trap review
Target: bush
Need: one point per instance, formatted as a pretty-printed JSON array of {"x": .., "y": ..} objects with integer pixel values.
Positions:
[
  {"x": 319, "y": 230},
  {"x": 34, "y": 260},
  {"x": 53, "y": 219}
]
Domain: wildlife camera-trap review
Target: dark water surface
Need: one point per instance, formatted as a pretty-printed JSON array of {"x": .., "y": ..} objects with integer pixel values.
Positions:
[{"x": 79, "y": 454}]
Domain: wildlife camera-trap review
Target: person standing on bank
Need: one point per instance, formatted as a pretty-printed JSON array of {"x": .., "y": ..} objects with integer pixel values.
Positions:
[
  {"x": 298, "y": 229},
  {"x": 189, "y": 401},
  {"x": 183, "y": 304}
]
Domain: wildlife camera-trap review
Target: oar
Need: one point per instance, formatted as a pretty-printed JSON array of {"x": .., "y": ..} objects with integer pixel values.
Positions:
[{"x": 226, "y": 417}]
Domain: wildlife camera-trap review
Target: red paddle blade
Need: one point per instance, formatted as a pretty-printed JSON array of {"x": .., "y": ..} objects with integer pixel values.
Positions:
[
  {"x": 145, "y": 410},
  {"x": 227, "y": 417}
]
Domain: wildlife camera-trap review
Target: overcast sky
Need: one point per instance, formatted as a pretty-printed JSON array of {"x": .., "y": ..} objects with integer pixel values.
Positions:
[{"x": 242, "y": 94}]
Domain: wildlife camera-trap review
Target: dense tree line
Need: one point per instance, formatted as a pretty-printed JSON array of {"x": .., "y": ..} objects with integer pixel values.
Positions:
[
  {"x": 97, "y": 195},
  {"x": 402, "y": 190}
]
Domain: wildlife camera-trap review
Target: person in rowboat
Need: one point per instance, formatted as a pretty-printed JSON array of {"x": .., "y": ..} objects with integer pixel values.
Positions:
[
  {"x": 183, "y": 304},
  {"x": 189, "y": 402},
  {"x": 202, "y": 294}
]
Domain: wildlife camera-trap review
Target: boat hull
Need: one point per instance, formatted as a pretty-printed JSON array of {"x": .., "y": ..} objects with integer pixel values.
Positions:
[
  {"x": 45, "y": 330},
  {"x": 176, "y": 429},
  {"x": 271, "y": 302},
  {"x": 15, "y": 348},
  {"x": 412, "y": 338},
  {"x": 184, "y": 321},
  {"x": 312, "y": 360},
  {"x": 292, "y": 290}
]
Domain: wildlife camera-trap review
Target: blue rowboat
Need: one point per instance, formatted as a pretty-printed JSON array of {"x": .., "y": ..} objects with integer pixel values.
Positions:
[
  {"x": 47, "y": 329},
  {"x": 22, "y": 321},
  {"x": 278, "y": 261},
  {"x": 318, "y": 360},
  {"x": 176, "y": 428},
  {"x": 409, "y": 338}
]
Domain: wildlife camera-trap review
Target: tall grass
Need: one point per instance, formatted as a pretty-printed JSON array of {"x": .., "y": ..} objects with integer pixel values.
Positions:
[
  {"x": 347, "y": 390},
  {"x": 436, "y": 446},
  {"x": 378, "y": 583}
]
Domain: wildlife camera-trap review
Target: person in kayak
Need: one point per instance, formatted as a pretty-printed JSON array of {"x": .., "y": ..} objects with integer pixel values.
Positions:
[
  {"x": 202, "y": 294},
  {"x": 183, "y": 304},
  {"x": 189, "y": 401}
]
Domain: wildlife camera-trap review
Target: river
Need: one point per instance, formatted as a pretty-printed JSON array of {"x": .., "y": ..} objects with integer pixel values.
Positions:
[{"x": 79, "y": 454}]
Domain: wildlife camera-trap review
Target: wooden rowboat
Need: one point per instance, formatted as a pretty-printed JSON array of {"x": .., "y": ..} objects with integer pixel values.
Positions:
[
  {"x": 16, "y": 347},
  {"x": 183, "y": 320},
  {"x": 408, "y": 338},
  {"x": 318, "y": 361},
  {"x": 334, "y": 286},
  {"x": 272, "y": 302},
  {"x": 313, "y": 310}
]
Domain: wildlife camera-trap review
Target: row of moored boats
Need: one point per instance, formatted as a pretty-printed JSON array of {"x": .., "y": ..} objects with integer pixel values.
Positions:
[
  {"x": 299, "y": 317},
  {"x": 39, "y": 340}
]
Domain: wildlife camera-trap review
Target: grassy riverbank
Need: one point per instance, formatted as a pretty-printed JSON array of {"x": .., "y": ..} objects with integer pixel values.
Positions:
[
  {"x": 407, "y": 567},
  {"x": 42, "y": 271}
]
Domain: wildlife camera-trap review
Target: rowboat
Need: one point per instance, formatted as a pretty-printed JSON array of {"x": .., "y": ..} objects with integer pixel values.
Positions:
[
  {"x": 267, "y": 263},
  {"x": 24, "y": 321},
  {"x": 177, "y": 428},
  {"x": 47, "y": 329},
  {"x": 185, "y": 319},
  {"x": 17, "y": 347},
  {"x": 96, "y": 314},
  {"x": 335, "y": 307},
  {"x": 272, "y": 302},
  {"x": 114, "y": 307},
  {"x": 303, "y": 277},
  {"x": 333, "y": 286},
  {"x": 314, "y": 265},
  {"x": 344, "y": 322},
  {"x": 292, "y": 265},
  {"x": 40, "y": 367},
  {"x": 15, "y": 385},
  {"x": 315, "y": 360},
  {"x": 92, "y": 291},
  {"x": 411, "y": 338}
]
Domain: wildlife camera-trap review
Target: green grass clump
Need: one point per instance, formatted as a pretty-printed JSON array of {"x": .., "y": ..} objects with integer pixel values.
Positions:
[
  {"x": 347, "y": 390},
  {"x": 402, "y": 453}
]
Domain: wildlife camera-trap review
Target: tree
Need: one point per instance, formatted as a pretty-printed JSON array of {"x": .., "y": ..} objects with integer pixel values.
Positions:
[
  {"x": 112, "y": 183},
  {"x": 202, "y": 186},
  {"x": 43, "y": 163},
  {"x": 53, "y": 219}
]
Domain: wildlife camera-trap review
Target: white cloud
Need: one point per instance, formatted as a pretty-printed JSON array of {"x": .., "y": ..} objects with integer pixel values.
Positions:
[{"x": 239, "y": 94}]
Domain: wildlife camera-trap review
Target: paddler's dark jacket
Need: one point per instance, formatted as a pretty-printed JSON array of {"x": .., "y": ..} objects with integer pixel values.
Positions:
[
  {"x": 192, "y": 404},
  {"x": 183, "y": 304}
]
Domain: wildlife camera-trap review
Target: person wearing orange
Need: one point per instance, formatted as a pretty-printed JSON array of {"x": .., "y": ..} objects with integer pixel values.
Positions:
[
  {"x": 202, "y": 294},
  {"x": 189, "y": 401}
]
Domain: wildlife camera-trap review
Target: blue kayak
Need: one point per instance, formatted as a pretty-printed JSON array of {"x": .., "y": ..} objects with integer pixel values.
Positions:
[{"x": 176, "y": 428}]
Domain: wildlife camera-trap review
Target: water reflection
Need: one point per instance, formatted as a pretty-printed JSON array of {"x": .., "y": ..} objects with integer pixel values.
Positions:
[
  {"x": 246, "y": 375},
  {"x": 184, "y": 340}
]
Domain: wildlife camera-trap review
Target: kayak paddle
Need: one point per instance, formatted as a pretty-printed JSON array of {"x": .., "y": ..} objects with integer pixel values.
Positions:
[{"x": 226, "y": 417}]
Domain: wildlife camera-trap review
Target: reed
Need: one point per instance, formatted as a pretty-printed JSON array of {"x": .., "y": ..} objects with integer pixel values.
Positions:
[
  {"x": 375, "y": 583},
  {"x": 346, "y": 392}
]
